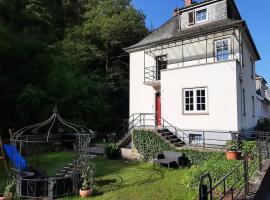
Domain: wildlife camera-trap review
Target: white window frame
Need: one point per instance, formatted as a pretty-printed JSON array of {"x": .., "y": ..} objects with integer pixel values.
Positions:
[
  {"x": 195, "y": 110},
  {"x": 229, "y": 49},
  {"x": 201, "y": 20}
]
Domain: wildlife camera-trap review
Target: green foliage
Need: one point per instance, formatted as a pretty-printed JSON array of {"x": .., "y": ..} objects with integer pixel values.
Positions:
[
  {"x": 112, "y": 151},
  {"x": 218, "y": 166},
  {"x": 10, "y": 188},
  {"x": 264, "y": 125},
  {"x": 69, "y": 54},
  {"x": 88, "y": 176},
  {"x": 148, "y": 144},
  {"x": 197, "y": 158},
  {"x": 248, "y": 147},
  {"x": 231, "y": 145}
]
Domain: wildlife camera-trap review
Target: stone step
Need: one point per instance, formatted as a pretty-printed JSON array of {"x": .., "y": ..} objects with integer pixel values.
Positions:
[
  {"x": 166, "y": 133},
  {"x": 59, "y": 175},
  {"x": 175, "y": 140},
  {"x": 179, "y": 144},
  {"x": 170, "y": 137}
]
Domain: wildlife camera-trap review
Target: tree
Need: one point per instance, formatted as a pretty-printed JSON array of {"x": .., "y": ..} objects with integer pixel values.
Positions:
[
  {"x": 113, "y": 25},
  {"x": 67, "y": 53}
]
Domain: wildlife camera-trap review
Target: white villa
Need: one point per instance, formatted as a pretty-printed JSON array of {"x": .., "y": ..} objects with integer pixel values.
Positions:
[{"x": 195, "y": 75}]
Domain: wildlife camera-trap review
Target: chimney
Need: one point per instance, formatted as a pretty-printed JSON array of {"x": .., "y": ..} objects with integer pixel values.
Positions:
[
  {"x": 175, "y": 12},
  {"x": 188, "y": 3}
]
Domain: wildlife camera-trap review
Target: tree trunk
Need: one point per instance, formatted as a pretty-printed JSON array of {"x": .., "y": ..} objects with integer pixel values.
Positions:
[{"x": 108, "y": 58}]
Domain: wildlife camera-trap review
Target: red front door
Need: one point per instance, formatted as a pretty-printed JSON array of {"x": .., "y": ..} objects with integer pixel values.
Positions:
[{"x": 158, "y": 109}]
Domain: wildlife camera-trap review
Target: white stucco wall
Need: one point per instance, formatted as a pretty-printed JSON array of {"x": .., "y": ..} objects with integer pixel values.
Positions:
[
  {"x": 219, "y": 78},
  {"x": 142, "y": 97},
  {"x": 248, "y": 120}
]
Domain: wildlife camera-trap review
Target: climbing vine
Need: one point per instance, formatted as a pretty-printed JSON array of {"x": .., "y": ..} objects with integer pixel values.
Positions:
[{"x": 149, "y": 144}]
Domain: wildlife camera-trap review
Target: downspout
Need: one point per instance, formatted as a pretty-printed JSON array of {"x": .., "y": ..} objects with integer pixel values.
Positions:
[
  {"x": 241, "y": 78},
  {"x": 179, "y": 25}
]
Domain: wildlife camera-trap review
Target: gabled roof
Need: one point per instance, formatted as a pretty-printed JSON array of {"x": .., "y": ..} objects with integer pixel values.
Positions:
[
  {"x": 261, "y": 78},
  {"x": 170, "y": 32}
]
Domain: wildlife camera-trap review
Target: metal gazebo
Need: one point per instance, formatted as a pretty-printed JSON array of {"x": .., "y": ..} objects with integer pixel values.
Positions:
[{"x": 28, "y": 147}]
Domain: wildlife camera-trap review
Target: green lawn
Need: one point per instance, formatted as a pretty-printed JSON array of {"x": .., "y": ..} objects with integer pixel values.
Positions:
[
  {"x": 53, "y": 162},
  {"x": 124, "y": 180},
  {"x": 118, "y": 180},
  {"x": 3, "y": 177}
]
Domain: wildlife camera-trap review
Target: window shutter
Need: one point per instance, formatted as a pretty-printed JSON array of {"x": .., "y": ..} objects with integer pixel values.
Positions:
[{"x": 191, "y": 18}]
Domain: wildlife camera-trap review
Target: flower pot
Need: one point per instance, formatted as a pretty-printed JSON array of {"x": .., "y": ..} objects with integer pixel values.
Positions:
[
  {"x": 86, "y": 193},
  {"x": 232, "y": 155},
  {"x": 8, "y": 196},
  {"x": 2, "y": 197}
]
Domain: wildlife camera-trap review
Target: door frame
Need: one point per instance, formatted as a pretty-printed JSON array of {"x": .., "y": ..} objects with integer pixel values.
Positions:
[{"x": 158, "y": 117}]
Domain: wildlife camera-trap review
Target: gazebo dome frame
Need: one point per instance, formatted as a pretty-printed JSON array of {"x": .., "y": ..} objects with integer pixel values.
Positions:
[{"x": 29, "y": 185}]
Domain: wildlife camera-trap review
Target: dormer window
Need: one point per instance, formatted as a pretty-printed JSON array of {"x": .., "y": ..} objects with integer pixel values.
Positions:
[{"x": 201, "y": 15}]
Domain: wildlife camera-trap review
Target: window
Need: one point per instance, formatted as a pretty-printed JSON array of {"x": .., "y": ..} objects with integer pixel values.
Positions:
[
  {"x": 201, "y": 15},
  {"x": 252, "y": 68},
  {"x": 161, "y": 64},
  {"x": 253, "y": 106},
  {"x": 222, "y": 50},
  {"x": 191, "y": 19},
  {"x": 244, "y": 102},
  {"x": 195, "y": 138},
  {"x": 195, "y": 100}
]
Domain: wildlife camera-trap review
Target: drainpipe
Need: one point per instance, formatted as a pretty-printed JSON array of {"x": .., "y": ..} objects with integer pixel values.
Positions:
[{"x": 241, "y": 78}]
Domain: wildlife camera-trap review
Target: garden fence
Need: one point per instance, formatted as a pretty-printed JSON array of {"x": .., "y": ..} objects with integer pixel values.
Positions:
[{"x": 236, "y": 182}]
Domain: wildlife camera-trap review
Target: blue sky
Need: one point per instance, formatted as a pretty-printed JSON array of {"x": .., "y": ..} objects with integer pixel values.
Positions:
[{"x": 256, "y": 14}]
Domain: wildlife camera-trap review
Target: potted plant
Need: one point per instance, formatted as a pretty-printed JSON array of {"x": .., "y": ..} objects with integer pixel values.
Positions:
[
  {"x": 232, "y": 150},
  {"x": 8, "y": 194},
  {"x": 248, "y": 148},
  {"x": 2, "y": 197},
  {"x": 88, "y": 178}
]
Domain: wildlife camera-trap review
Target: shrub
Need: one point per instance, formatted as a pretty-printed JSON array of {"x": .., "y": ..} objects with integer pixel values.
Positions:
[
  {"x": 264, "y": 125},
  {"x": 231, "y": 145},
  {"x": 248, "y": 147},
  {"x": 112, "y": 151},
  {"x": 216, "y": 166}
]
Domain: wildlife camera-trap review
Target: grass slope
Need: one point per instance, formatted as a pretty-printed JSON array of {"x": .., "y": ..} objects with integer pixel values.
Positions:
[{"x": 117, "y": 180}]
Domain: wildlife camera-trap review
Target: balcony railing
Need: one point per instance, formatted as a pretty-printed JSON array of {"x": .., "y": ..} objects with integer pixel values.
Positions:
[{"x": 150, "y": 74}]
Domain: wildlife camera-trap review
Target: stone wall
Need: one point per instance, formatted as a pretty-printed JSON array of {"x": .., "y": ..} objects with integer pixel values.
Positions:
[{"x": 215, "y": 11}]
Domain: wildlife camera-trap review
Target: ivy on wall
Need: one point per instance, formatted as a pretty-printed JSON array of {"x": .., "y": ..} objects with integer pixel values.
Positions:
[{"x": 148, "y": 144}]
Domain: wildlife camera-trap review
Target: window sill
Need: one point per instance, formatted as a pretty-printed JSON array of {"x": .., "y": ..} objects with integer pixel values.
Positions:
[
  {"x": 201, "y": 21},
  {"x": 196, "y": 113}
]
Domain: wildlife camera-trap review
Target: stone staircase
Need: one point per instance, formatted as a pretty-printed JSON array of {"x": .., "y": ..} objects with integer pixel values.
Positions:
[
  {"x": 168, "y": 132},
  {"x": 170, "y": 138}
]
